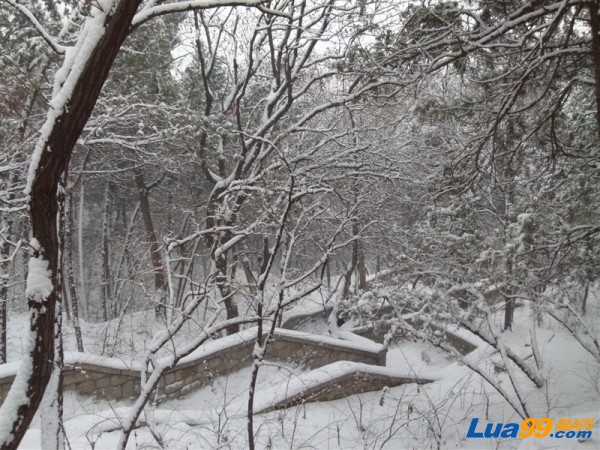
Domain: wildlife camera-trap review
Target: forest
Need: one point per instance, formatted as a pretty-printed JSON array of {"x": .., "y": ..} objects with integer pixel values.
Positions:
[{"x": 299, "y": 189}]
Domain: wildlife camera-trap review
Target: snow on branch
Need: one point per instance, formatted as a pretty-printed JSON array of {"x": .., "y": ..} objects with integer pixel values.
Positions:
[
  {"x": 39, "y": 283},
  {"x": 65, "y": 80},
  {"x": 60, "y": 49},
  {"x": 151, "y": 12},
  {"x": 17, "y": 396}
]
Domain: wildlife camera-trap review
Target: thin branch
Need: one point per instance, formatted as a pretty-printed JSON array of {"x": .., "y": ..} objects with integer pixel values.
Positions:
[
  {"x": 58, "y": 48},
  {"x": 192, "y": 5}
]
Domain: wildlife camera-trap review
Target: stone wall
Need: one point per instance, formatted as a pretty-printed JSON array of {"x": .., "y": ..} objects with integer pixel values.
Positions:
[
  {"x": 5, "y": 382},
  {"x": 111, "y": 379},
  {"x": 377, "y": 331},
  {"x": 339, "y": 381},
  {"x": 300, "y": 321},
  {"x": 105, "y": 378},
  {"x": 100, "y": 381},
  {"x": 286, "y": 346}
]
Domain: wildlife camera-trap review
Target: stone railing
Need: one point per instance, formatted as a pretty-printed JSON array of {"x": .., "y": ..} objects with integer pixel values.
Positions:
[
  {"x": 105, "y": 378},
  {"x": 332, "y": 382},
  {"x": 346, "y": 366},
  {"x": 299, "y": 321},
  {"x": 112, "y": 379},
  {"x": 232, "y": 353},
  {"x": 378, "y": 331},
  {"x": 102, "y": 377}
]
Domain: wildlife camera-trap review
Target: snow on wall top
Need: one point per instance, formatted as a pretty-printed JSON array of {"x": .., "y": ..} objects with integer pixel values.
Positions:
[
  {"x": 75, "y": 358},
  {"x": 9, "y": 370},
  {"x": 327, "y": 374},
  {"x": 347, "y": 339},
  {"x": 211, "y": 347},
  {"x": 249, "y": 335}
]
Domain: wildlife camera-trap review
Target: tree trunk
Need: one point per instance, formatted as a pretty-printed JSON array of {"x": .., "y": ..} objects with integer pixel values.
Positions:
[
  {"x": 64, "y": 128},
  {"x": 3, "y": 324},
  {"x": 6, "y": 226},
  {"x": 250, "y": 278},
  {"x": 509, "y": 301},
  {"x": 4, "y": 297},
  {"x": 361, "y": 268},
  {"x": 595, "y": 27},
  {"x": 509, "y": 312},
  {"x": 586, "y": 293},
  {"x": 106, "y": 281},
  {"x": 226, "y": 293},
  {"x": 52, "y": 402},
  {"x": 157, "y": 267},
  {"x": 80, "y": 251},
  {"x": 350, "y": 271},
  {"x": 68, "y": 276},
  {"x": 22, "y": 129}
]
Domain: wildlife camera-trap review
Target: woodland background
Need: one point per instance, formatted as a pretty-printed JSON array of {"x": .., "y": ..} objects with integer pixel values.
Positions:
[{"x": 442, "y": 157}]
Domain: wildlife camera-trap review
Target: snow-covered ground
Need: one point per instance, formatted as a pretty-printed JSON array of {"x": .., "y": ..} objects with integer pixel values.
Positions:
[{"x": 436, "y": 415}]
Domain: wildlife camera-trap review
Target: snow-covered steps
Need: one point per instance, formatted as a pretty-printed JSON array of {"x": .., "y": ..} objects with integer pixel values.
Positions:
[{"x": 334, "y": 381}]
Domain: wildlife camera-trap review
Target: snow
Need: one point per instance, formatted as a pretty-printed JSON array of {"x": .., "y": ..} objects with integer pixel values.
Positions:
[
  {"x": 17, "y": 395},
  {"x": 9, "y": 369},
  {"x": 350, "y": 341},
  {"x": 77, "y": 358},
  {"x": 410, "y": 416},
  {"x": 215, "y": 414},
  {"x": 321, "y": 376},
  {"x": 51, "y": 436},
  {"x": 356, "y": 342},
  {"x": 416, "y": 358},
  {"x": 65, "y": 80},
  {"x": 147, "y": 13},
  {"x": 214, "y": 346},
  {"x": 39, "y": 283},
  {"x": 361, "y": 342}
]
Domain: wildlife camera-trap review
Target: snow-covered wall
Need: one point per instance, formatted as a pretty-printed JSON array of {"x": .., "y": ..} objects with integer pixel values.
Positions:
[
  {"x": 110, "y": 378},
  {"x": 88, "y": 374},
  {"x": 380, "y": 331},
  {"x": 224, "y": 356},
  {"x": 335, "y": 381}
]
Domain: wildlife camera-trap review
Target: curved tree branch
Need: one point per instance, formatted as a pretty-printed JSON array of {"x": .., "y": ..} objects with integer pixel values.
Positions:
[{"x": 60, "y": 49}]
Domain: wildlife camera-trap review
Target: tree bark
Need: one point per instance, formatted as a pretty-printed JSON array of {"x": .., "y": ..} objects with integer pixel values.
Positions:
[
  {"x": 6, "y": 226},
  {"x": 80, "y": 252},
  {"x": 586, "y": 293},
  {"x": 106, "y": 281},
  {"x": 509, "y": 301},
  {"x": 595, "y": 26},
  {"x": 349, "y": 271},
  {"x": 157, "y": 266},
  {"x": 361, "y": 268},
  {"x": 52, "y": 403},
  {"x": 68, "y": 276},
  {"x": 226, "y": 293},
  {"x": 43, "y": 207},
  {"x": 4, "y": 299},
  {"x": 509, "y": 312}
]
